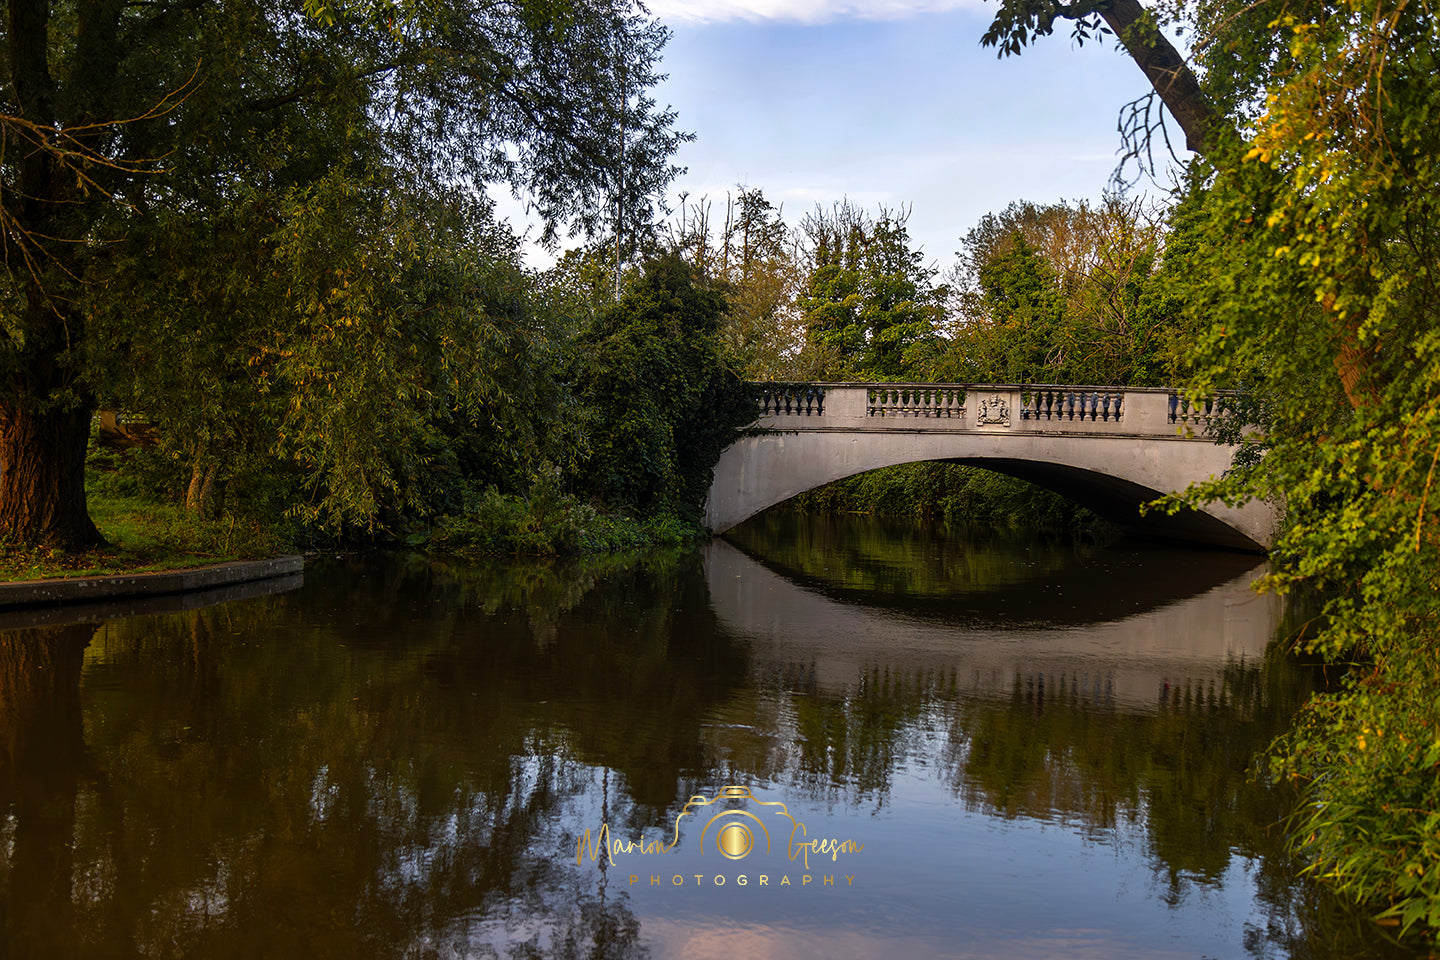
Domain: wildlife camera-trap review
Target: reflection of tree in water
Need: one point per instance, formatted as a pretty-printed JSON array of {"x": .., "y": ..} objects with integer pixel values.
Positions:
[
  {"x": 886, "y": 557},
  {"x": 42, "y": 762},
  {"x": 325, "y": 776},
  {"x": 1178, "y": 777}
]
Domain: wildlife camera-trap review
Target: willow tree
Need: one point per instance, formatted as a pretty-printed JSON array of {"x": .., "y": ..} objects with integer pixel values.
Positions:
[{"x": 116, "y": 116}]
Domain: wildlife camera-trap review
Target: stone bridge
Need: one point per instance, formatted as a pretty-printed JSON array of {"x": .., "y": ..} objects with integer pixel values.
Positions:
[{"x": 1107, "y": 448}]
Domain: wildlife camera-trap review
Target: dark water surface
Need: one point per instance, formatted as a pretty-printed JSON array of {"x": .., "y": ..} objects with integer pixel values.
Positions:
[{"x": 994, "y": 749}]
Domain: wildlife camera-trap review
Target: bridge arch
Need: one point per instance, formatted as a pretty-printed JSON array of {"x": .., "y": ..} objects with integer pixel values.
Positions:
[{"x": 1106, "y": 448}]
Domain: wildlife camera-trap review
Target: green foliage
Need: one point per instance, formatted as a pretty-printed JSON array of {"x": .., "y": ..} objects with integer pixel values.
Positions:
[
  {"x": 307, "y": 277},
  {"x": 1370, "y": 758},
  {"x": 145, "y": 532},
  {"x": 869, "y": 300},
  {"x": 953, "y": 494},
  {"x": 755, "y": 259},
  {"x": 579, "y": 285},
  {"x": 1311, "y": 247},
  {"x": 371, "y": 343},
  {"x": 1018, "y": 22},
  {"x": 660, "y": 401},
  {"x": 1063, "y": 294},
  {"x": 548, "y": 525},
  {"x": 400, "y": 334},
  {"x": 1313, "y": 253},
  {"x": 1020, "y": 294}
]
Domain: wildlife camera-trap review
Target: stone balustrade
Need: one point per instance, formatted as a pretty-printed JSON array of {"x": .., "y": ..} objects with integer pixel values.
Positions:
[{"x": 985, "y": 408}]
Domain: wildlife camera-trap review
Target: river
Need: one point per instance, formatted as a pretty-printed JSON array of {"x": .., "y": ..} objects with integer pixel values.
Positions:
[{"x": 823, "y": 738}]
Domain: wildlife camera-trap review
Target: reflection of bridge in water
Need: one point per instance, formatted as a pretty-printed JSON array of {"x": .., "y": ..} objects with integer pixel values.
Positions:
[
  {"x": 1182, "y": 642},
  {"x": 1107, "y": 448}
]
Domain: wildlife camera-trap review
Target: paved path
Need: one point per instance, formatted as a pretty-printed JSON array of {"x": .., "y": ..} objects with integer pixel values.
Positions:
[{"x": 76, "y": 590}]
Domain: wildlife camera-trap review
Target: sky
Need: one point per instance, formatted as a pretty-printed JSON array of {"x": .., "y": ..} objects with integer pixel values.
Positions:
[{"x": 889, "y": 102}]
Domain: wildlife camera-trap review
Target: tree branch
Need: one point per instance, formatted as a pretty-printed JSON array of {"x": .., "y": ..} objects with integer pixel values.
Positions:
[
  {"x": 1166, "y": 70},
  {"x": 262, "y": 104}
]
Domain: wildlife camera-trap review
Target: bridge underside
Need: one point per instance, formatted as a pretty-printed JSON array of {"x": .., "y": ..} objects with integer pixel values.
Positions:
[
  {"x": 1111, "y": 475},
  {"x": 1119, "y": 502}
]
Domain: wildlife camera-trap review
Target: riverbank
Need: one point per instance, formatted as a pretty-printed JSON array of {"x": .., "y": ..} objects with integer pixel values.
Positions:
[
  {"x": 148, "y": 536},
  {"x": 81, "y": 590}
]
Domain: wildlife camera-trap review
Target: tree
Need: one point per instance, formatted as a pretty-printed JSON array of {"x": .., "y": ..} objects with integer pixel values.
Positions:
[
  {"x": 1318, "y": 274},
  {"x": 372, "y": 345},
  {"x": 869, "y": 298},
  {"x": 662, "y": 402},
  {"x": 1014, "y": 333},
  {"x": 754, "y": 257},
  {"x": 1238, "y": 58},
  {"x": 1061, "y": 294},
  {"x": 1313, "y": 247},
  {"x": 119, "y": 118}
]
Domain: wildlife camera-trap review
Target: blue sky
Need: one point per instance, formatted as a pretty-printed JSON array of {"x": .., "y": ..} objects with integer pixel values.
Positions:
[{"x": 889, "y": 101}]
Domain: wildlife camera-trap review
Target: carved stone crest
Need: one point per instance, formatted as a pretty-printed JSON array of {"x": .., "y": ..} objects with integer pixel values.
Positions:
[{"x": 994, "y": 411}]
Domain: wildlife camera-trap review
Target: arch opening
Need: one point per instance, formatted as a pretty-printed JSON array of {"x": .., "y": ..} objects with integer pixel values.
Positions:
[{"x": 1112, "y": 479}]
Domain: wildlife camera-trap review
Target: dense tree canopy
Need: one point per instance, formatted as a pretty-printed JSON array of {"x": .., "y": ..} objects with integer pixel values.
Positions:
[
  {"x": 1063, "y": 294},
  {"x": 756, "y": 258},
  {"x": 228, "y": 182},
  {"x": 665, "y": 404},
  {"x": 870, "y": 298},
  {"x": 843, "y": 295},
  {"x": 1312, "y": 246}
]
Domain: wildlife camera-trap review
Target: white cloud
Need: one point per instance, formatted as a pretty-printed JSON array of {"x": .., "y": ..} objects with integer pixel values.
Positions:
[{"x": 799, "y": 11}]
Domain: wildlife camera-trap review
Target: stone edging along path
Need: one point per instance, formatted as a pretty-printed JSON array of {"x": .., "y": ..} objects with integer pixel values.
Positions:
[{"x": 50, "y": 593}]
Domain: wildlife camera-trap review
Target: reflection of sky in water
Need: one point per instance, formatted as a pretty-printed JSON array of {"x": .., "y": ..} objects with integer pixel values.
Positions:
[
  {"x": 399, "y": 759},
  {"x": 934, "y": 880}
]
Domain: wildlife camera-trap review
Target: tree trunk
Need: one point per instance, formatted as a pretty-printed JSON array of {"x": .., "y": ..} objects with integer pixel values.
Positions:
[
  {"x": 42, "y": 760},
  {"x": 207, "y": 494},
  {"x": 48, "y": 214},
  {"x": 1352, "y": 361},
  {"x": 192, "y": 492},
  {"x": 42, "y": 476},
  {"x": 1166, "y": 70},
  {"x": 199, "y": 497}
]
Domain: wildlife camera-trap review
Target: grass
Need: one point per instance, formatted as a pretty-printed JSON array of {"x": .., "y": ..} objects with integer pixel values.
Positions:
[
  {"x": 147, "y": 535},
  {"x": 144, "y": 536}
]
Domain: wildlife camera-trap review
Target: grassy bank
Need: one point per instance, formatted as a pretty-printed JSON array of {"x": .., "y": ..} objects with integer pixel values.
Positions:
[{"x": 148, "y": 533}]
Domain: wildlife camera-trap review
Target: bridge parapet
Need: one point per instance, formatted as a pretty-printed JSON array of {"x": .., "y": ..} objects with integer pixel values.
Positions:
[
  {"x": 1112, "y": 449},
  {"x": 985, "y": 408}
]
